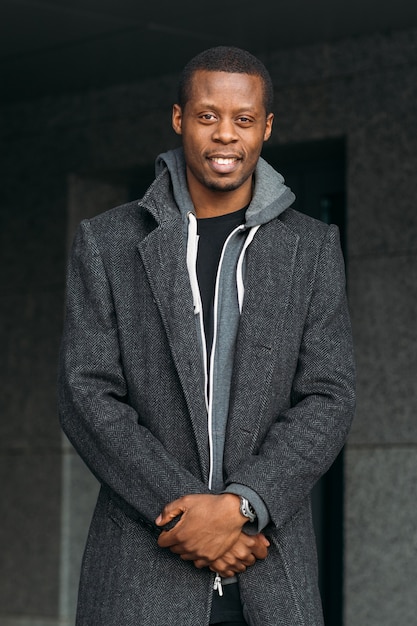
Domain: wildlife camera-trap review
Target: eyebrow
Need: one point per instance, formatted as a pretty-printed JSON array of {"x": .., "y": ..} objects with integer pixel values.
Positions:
[{"x": 211, "y": 105}]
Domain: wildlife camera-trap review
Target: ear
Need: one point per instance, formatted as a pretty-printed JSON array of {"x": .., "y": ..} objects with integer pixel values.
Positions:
[
  {"x": 268, "y": 126},
  {"x": 177, "y": 119}
]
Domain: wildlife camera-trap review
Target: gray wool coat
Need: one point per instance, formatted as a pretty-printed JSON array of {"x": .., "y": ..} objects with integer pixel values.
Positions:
[{"x": 131, "y": 398}]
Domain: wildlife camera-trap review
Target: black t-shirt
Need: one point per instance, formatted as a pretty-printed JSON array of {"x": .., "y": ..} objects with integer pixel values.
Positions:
[{"x": 213, "y": 232}]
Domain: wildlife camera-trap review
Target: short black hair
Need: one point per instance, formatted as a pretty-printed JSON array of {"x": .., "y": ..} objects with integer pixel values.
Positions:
[{"x": 226, "y": 59}]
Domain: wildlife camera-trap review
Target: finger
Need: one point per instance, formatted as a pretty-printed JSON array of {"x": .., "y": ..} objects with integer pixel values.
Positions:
[
  {"x": 260, "y": 547},
  {"x": 219, "y": 566},
  {"x": 238, "y": 562},
  {"x": 239, "y": 557},
  {"x": 228, "y": 571},
  {"x": 250, "y": 560},
  {"x": 230, "y": 563},
  {"x": 260, "y": 552},
  {"x": 225, "y": 573},
  {"x": 200, "y": 563},
  {"x": 238, "y": 567},
  {"x": 255, "y": 540},
  {"x": 165, "y": 540},
  {"x": 169, "y": 512},
  {"x": 169, "y": 539},
  {"x": 191, "y": 556}
]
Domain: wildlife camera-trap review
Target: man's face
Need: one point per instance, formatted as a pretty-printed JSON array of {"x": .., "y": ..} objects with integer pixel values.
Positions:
[{"x": 223, "y": 126}]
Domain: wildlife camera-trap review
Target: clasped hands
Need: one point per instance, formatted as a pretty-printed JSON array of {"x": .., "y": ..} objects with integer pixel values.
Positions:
[{"x": 209, "y": 533}]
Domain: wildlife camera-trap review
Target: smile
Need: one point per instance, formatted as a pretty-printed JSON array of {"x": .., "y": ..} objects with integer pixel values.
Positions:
[
  {"x": 224, "y": 165},
  {"x": 224, "y": 161}
]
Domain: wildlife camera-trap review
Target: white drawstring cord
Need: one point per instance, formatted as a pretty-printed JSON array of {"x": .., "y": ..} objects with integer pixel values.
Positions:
[
  {"x": 239, "y": 267},
  {"x": 192, "y": 248}
]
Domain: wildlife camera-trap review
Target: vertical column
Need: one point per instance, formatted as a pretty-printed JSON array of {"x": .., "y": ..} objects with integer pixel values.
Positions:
[{"x": 381, "y": 459}]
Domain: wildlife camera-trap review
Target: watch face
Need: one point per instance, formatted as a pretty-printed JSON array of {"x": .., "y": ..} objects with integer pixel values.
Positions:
[{"x": 247, "y": 509}]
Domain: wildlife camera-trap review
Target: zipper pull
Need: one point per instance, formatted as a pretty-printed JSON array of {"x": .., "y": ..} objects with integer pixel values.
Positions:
[{"x": 218, "y": 585}]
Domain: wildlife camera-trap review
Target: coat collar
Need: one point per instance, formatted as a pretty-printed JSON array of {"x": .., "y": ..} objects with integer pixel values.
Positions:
[{"x": 164, "y": 259}]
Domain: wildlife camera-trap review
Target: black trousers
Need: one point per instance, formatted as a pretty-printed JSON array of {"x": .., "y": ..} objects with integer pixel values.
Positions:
[{"x": 226, "y": 610}]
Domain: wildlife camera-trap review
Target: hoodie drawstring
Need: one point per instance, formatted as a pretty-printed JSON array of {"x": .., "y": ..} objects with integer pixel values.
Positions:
[
  {"x": 192, "y": 249},
  {"x": 239, "y": 267}
]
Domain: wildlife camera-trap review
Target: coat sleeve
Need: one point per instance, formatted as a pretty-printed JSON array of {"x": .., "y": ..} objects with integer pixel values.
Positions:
[
  {"x": 305, "y": 438},
  {"x": 92, "y": 394}
]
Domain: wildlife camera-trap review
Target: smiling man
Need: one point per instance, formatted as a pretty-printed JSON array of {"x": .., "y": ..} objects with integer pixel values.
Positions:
[
  {"x": 207, "y": 374},
  {"x": 223, "y": 123}
]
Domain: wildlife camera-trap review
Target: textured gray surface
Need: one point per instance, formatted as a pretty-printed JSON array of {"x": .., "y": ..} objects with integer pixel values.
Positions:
[
  {"x": 29, "y": 539},
  {"x": 79, "y": 494},
  {"x": 381, "y": 536},
  {"x": 383, "y": 300}
]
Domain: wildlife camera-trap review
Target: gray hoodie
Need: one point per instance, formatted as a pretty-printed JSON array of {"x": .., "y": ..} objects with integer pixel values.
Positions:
[{"x": 270, "y": 198}]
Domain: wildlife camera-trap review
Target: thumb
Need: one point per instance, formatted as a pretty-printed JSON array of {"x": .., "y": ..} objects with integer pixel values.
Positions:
[{"x": 169, "y": 512}]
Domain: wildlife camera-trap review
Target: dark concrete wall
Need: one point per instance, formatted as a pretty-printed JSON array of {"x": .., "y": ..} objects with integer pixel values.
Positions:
[{"x": 68, "y": 157}]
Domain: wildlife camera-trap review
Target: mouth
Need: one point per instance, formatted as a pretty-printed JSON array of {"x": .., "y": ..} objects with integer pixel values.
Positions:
[
  {"x": 224, "y": 164},
  {"x": 224, "y": 160}
]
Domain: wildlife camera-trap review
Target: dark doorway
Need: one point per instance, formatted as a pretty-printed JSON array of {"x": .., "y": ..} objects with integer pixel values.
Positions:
[{"x": 315, "y": 171}]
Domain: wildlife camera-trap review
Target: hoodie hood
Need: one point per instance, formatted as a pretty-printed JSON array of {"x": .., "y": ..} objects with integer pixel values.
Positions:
[{"x": 270, "y": 198}]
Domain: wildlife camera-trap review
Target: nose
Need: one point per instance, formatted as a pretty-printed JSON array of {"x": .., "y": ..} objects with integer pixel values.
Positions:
[{"x": 225, "y": 131}]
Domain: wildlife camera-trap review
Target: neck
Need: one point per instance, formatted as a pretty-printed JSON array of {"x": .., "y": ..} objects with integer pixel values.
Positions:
[{"x": 211, "y": 203}]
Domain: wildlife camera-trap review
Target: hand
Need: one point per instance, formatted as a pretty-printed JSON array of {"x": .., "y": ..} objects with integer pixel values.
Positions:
[
  {"x": 245, "y": 552},
  {"x": 209, "y": 526}
]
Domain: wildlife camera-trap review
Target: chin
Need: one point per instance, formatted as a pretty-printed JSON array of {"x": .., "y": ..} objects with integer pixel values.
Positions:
[{"x": 223, "y": 185}]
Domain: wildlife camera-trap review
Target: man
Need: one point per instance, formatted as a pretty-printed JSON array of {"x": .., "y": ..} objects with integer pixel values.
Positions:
[{"x": 207, "y": 374}]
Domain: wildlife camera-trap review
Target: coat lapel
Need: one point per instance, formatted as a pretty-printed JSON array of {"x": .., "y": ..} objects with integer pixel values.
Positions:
[
  {"x": 164, "y": 259},
  {"x": 270, "y": 267}
]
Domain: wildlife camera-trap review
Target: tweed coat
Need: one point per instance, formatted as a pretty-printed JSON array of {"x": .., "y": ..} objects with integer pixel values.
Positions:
[{"x": 131, "y": 396}]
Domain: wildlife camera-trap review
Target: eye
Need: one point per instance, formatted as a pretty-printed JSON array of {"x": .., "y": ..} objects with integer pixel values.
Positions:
[
  {"x": 244, "y": 120},
  {"x": 207, "y": 117}
]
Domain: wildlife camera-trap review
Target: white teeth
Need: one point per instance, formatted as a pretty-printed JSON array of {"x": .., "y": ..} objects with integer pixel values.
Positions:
[{"x": 223, "y": 161}]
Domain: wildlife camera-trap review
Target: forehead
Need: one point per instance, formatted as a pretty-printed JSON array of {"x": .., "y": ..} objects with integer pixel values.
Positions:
[{"x": 244, "y": 90}]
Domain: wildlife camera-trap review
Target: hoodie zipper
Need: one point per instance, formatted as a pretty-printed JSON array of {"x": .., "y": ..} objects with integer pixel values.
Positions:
[
  {"x": 217, "y": 585},
  {"x": 192, "y": 250},
  {"x": 213, "y": 351}
]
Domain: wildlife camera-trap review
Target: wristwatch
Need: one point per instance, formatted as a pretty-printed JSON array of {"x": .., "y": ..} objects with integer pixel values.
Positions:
[{"x": 247, "y": 509}]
